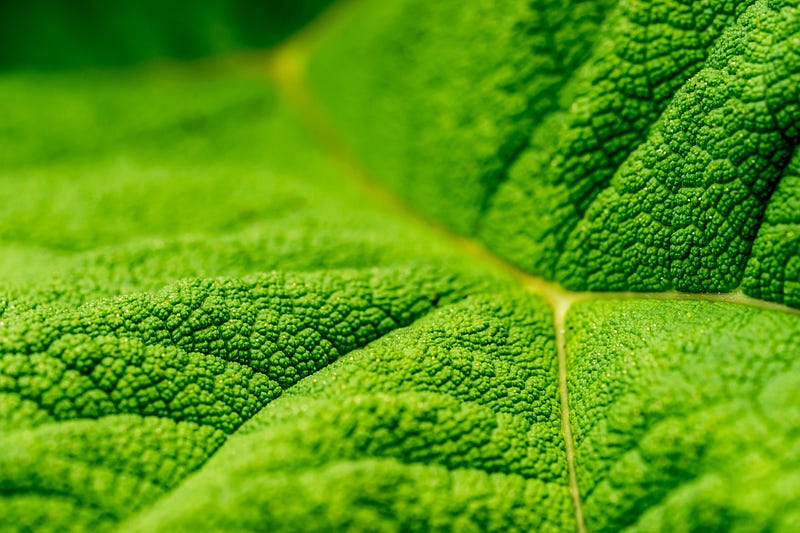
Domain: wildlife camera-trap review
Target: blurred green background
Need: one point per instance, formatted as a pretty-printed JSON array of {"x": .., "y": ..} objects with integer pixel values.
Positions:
[{"x": 57, "y": 34}]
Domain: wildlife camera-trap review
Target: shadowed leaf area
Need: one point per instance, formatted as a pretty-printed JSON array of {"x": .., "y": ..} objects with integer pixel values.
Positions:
[{"x": 421, "y": 266}]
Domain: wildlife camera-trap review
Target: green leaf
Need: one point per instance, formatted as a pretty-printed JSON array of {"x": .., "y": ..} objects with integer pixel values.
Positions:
[{"x": 227, "y": 302}]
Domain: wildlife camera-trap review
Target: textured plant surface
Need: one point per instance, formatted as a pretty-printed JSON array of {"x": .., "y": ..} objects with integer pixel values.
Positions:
[{"x": 219, "y": 309}]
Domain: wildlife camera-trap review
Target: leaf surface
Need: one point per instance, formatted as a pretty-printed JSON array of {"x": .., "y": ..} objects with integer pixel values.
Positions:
[{"x": 214, "y": 317}]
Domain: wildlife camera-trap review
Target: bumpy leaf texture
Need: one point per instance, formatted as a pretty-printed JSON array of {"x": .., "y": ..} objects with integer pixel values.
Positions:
[{"x": 213, "y": 315}]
